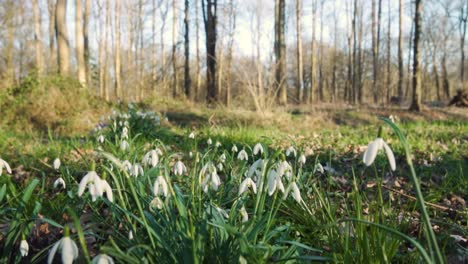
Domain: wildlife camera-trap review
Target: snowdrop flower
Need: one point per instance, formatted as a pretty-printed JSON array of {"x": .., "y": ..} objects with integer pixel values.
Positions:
[
  {"x": 220, "y": 166},
  {"x": 61, "y": 182},
  {"x": 302, "y": 159},
  {"x": 246, "y": 184},
  {"x": 127, "y": 165},
  {"x": 160, "y": 187},
  {"x": 274, "y": 182},
  {"x": 124, "y": 133},
  {"x": 258, "y": 148},
  {"x": 158, "y": 151},
  {"x": 151, "y": 158},
  {"x": 296, "y": 193},
  {"x": 212, "y": 179},
  {"x": 124, "y": 145},
  {"x": 107, "y": 189},
  {"x": 157, "y": 203},
  {"x": 234, "y": 148},
  {"x": 94, "y": 184},
  {"x": 4, "y": 164},
  {"x": 57, "y": 164},
  {"x": 100, "y": 139},
  {"x": 24, "y": 248},
  {"x": 291, "y": 150},
  {"x": 192, "y": 135},
  {"x": 222, "y": 158},
  {"x": 373, "y": 148},
  {"x": 68, "y": 248},
  {"x": 283, "y": 168},
  {"x": 222, "y": 212},
  {"x": 209, "y": 141},
  {"x": 130, "y": 235},
  {"x": 102, "y": 259},
  {"x": 136, "y": 170},
  {"x": 256, "y": 168},
  {"x": 179, "y": 168},
  {"x": 218, "y": 144},
  {"x": 243, "y": 155},
  {"x": 320, "y": 168},
  {"x": 245, "y": 216}
]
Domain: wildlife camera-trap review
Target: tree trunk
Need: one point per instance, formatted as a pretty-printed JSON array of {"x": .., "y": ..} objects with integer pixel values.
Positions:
[
  {"x": 118, "y": 83},
  {"x": 416, "y": 102},
  {"x": 375, "y": 48},
  {"x": 280, "y": 51},
  {"x": 63, "y": 54},
  {"x": 209, "y": 8},
  {"x": 37, "y": 39},
  {"x": 79, "y": 43},
  {"x": 300, "y": 67},
  {"x": 232, "y": 29},
  {"x": 87, "y": 51},
  {"x": 311, "y": 91},
  {"x": 445, "y": 81},
  {"x": 389, "y": 53},
  {"x": 52, "y": 59},
  {"x": 187, "y": 80},
  {"x": 197, "y": 50},
  {"x": 400, "y": 53},
  {"x": 106, "y": 54},
  {"x": 175, "y": 82},
  {"x": 463, "y": 20}
]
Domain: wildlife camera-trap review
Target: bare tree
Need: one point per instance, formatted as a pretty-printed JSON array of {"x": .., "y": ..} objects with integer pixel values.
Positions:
[
  {"x": 400, "y": 53},
  {"x": 231, "y": 31},
  {"x": 197, "y": 50},
  {"x": 310, "y": 92},
  {"x": 37, "y": 39},
  {"x": 52, "y": 53},
  {"x": 87, "y": 52},
  {"x": 280, "y": 51},
  {"x": 187, "y": 80},
  {"x": 63, "y": 54},
  {"x": 79, "y": 42},
  {"x": 375, "y": 47},
  {"x": 117, "y": 66},
  {"x": 175, "y": 82},
  {"x": 300, "y": 67},
  {"x": 416, "y": 102},
  {"x": 462, "y": 24},
  {"x": 210, "y": 8}
]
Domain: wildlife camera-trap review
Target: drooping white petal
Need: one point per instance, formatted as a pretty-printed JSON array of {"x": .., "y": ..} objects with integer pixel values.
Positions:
[
  {"x": 209, "y": 141},
  {"x": 192, "y": 135},
  {"x": 179, "y": 168},
  {"x": 234, "y": 148},
  {"x": 390, "y": 156},
  {"x": 157, "y": 203},
  {"x": 4, "y": 164},
  {"x": 124, "y": 145},
  {"x": 58, "y": 182},
  {"x": 371, "y": 152},
  {"x": 130, "y": 235},
  {"x": 69, "y": 250},
  {"x": 246, "y": 184},
  {"x": 107, "y": 189},
  {"x": 24, "y": 248},
  {"x": 215, "y": 181},
  {"x": 279, "y": 184},
  {"x": 257, "y": 166},
  {"x": 102, "y": 259},
  {"x": 244, "y": 214},
  {"x": 57, "y": 164},
  {"x": 291, "y": 150},
  {"x": 302, "y": 159},
  {"x": 52, "y": 252},
  {"x": 243, "y": 155},
  {"x": 258, "y": 148},
  {"x": 296, "y": 193},
  {"x": 272, "y": 182},
  {"x": 160, "y": 187},
  {"x": 90, "y": 177}
]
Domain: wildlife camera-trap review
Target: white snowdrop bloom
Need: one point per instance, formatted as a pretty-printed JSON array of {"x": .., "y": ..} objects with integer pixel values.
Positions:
[
  {"x": 157, "y": 203},
  {"x": 190, "y": 154},
  {"x": 372, "y": 150},
  {"x": 160, "y": 187},
  {"x": 93, "y": 182},
  {"x": 296, "y": 193},
  {"x": 158, "y": 151},
  {"x": 283, "y": 168},
  {"x": 234, "y": 148},
  {"x": 222, "y": 158},
  {"x": 124, "y": 145},
  {"x": 130, "y": 235},
  {"x": 256, "y": 168},
  {"x": 247, "y": 183},
  {"x": 4, "y": 164},
  {"x": 179, "y": 168},
  {"x": 151, "y": 158},
  {"x": 105, "y": 187},
  {"x": 127, "y": 165},
  {"x": 57, "y": 164},
  {"x": 124, "y": 133},
  {"x": 209, "y": 141},
  {"x": 291, "y": 150},
  {"x": 320, "y": 168},
  {"x": 24, "y": 248},
  {"x": 258, "y": 148},
  {"x": 102, "y": 259},
  {"x": 211, "y": 179},
  {"x": 244, "y": 214},
  {"x": 243, "y": 155},
  {"x": 220, "y": 166},
  {"x": 136, "y": 170},
  {"x": 68, "y": 248},
  {"x": 192, "y": 135},
  {"x": 100, "y": 139},
  {"x": 61, "y": 182},
  {"x": 218, "y": 144},
  {"x": 274, "y": 182},
  {"x": 302, "y": 159}
]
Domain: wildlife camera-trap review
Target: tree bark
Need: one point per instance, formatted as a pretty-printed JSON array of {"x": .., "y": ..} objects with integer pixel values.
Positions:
[
  {"x": 37, "y": 39},
  {"x": 175, "y": 82},
  {"x": 52, "y": 52},
  {"x": 209, "y": 8},
  {"x": 463, "y": 20},
  {"x": 400, "y": 53},
  {"x": 187, "y": 80},
  {"x": 280, "y": 51},
  {"x": 416, "y": 102},
  {"x": 300, "y": 67},
  {"x": 79, "y": 42},
  {"x": 118, "y": 82},
  {"x": 87, "y": 49},
  {"x": 61, "y": 32},
  {"x": 197, "y": 50},
  {"x": 310, "y": 97}
]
